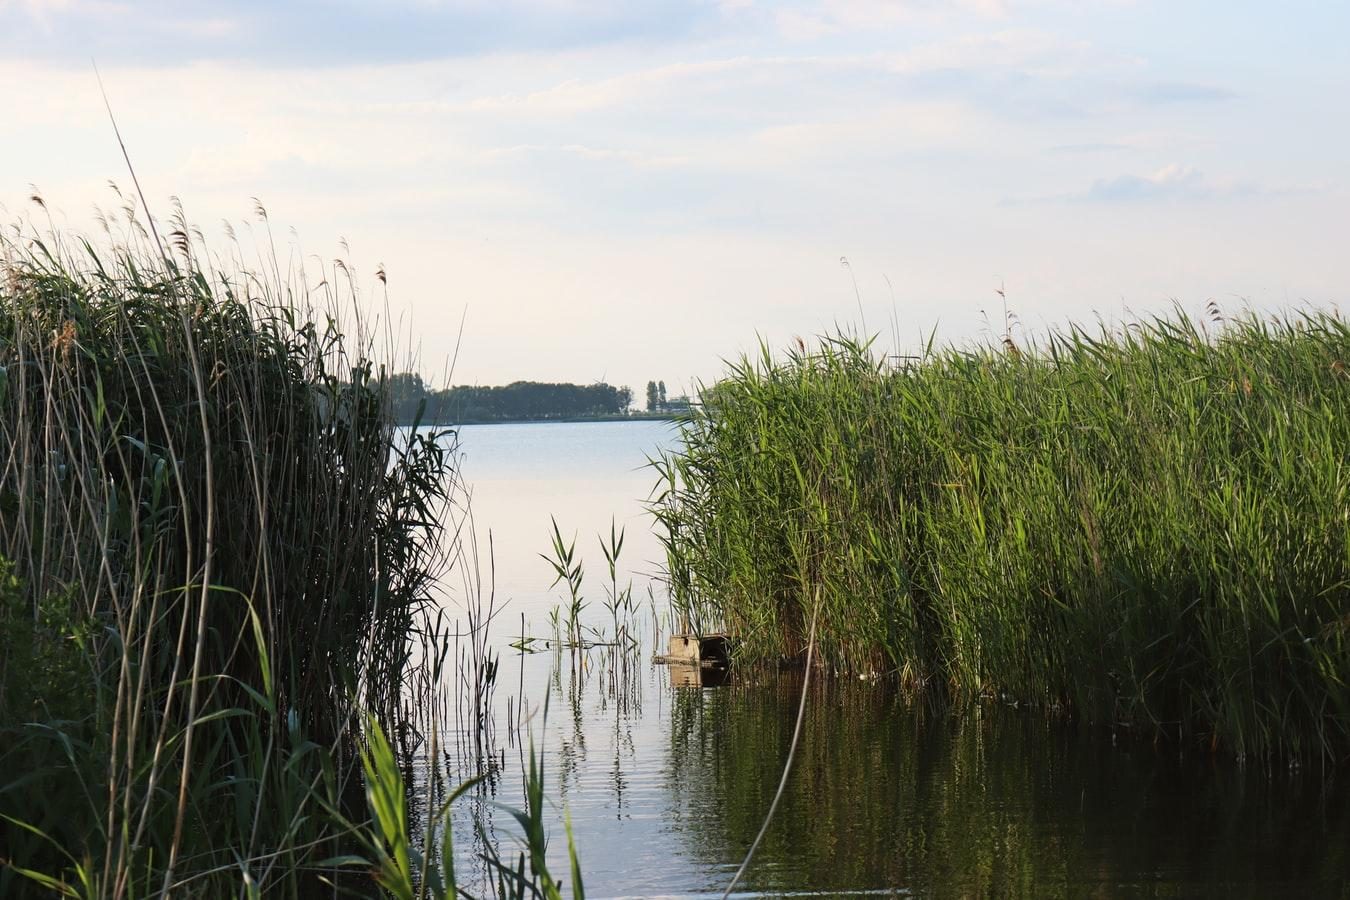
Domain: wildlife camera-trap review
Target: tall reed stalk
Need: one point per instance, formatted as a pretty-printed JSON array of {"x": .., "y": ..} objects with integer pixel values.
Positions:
[
  {"x": 1149, "y": 526},
  {"x": 219, "y": 549}
]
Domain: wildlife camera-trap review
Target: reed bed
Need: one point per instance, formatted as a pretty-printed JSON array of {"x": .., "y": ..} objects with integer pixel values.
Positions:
[
  {"x": 215, "y": 552},
  {"x": 1149, "y": 527}
]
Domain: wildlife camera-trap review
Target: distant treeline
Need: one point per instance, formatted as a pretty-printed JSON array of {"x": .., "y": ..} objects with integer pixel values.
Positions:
[{"x": 519, "y": 401}]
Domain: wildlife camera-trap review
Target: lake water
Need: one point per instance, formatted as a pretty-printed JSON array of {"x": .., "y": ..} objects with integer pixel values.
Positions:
[{"x": 666, "y": 785}]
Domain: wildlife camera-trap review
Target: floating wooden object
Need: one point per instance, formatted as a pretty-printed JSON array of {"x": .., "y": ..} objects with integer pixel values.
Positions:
[{"x": 696, "y": 650}]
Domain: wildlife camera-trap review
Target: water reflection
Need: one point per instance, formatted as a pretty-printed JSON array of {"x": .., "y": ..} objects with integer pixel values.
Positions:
[
  {"x": 699, "y": 676},
  {"x": 988, "y": 802}
]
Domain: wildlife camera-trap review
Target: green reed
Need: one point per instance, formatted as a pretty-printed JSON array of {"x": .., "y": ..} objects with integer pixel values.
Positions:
[
  {"x": 568, "y": 569},
  {"x": 219, "y": 549},
  {"x": 1148, "y": 526}
]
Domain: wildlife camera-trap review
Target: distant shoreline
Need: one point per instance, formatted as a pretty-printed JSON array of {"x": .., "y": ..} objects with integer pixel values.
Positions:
[{"x": 561, "y": 420}]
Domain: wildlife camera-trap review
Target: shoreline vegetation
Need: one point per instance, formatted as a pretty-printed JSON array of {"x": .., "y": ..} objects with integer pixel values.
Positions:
[
  {"x": 1147, "y": 528},
  {"x": 562, "y": 420},
  {"x": 220, "y": 573},
  {"x": 413, "y": 401}
]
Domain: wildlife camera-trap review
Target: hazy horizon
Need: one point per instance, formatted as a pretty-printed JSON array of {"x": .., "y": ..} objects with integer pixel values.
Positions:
[{"x": 632, "y": 192}]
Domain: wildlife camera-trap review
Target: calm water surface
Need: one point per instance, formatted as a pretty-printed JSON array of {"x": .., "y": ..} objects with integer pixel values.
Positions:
[{"x": 666, "y": 785}]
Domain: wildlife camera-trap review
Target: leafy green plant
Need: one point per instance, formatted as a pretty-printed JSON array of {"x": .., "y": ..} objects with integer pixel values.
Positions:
[
  {"x": 618, "y": 601},
  {"x": 405, "y": 870},
  {"x": 567, "y": 568}
]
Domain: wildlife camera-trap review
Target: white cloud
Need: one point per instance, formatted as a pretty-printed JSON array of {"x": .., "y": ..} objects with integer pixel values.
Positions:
[
  {"x": 815, "y": 20},
  {"x": 1025, "y": 50},
  {"x": 627, "y": 157},
  {"x": 1172, "y": 182}
]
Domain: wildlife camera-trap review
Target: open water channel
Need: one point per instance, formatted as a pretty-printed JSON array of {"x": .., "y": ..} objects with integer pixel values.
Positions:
[{"x": 667, "y": 784}]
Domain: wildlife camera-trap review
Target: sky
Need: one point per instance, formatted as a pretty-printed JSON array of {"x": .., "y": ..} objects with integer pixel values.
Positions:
[{"x": 642, "y": 190}]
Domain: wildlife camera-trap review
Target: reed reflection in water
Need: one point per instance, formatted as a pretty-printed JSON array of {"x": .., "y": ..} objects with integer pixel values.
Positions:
[{"x": 989, "y": 801}]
